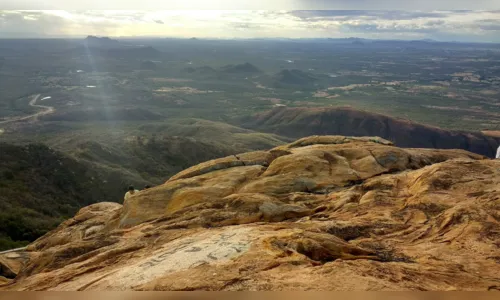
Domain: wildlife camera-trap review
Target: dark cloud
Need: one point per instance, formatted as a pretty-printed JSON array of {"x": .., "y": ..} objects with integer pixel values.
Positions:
[
  {"x": 309, "y": 14},
  {"x": 360, "y": 22},
  {"x": 422, "y": 5},
  {"x": 489, "y": 24},
  {"x": 493, "y": 27},
  {"x": 254, "y": 4},
  {"x": 375, "y": 28},
  {"x": 159, "y": 22},
  {"x": 409, "y": 15},
  {"x": 322, "y": 15}
]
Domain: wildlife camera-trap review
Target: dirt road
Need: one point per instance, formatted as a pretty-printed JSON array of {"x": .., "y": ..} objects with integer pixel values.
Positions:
[{"x": 45, "y": 111}]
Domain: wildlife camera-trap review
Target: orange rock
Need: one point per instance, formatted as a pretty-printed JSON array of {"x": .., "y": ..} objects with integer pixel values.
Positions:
[{"x": 322, "y": 213}]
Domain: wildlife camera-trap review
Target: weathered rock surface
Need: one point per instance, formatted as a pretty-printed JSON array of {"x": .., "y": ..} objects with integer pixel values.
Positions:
[
  {"x": 322, "y": 213},
  {"x": 11, "y": 263}
]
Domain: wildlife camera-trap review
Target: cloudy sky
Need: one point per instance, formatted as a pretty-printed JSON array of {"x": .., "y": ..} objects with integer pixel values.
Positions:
[{"x": 453, "y": 21}]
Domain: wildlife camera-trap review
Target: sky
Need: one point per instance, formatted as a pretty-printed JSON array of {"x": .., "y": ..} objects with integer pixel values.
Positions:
[{"x": 459, "y": 20}]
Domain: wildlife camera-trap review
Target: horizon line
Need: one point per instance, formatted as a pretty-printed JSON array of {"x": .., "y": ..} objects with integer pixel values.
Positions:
[{"x": 73, "y": 37}]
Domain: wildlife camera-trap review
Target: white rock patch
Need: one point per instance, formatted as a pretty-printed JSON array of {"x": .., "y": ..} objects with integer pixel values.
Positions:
[{"x": 185, "y": 253}]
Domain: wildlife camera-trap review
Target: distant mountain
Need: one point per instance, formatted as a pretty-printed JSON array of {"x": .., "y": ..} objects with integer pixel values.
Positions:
[
  {"x": 301, "y": 122},
  {"x": 148, "y": 65},
  {"x": 246, "y": 68},
  {"x": 429, "y": 40},
  {"x": 106, "y": 47},
  {"x": 350, "y": 40},
  {"x": 294, "y": 77},
  {"x": 356, "y": 41},
  {"x": 101, "y": 42}
]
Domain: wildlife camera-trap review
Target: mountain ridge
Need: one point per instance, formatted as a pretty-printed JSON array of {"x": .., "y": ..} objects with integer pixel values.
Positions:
[
  {"x": 241, "y": 69},
  {"x": 296, "y": 122}
]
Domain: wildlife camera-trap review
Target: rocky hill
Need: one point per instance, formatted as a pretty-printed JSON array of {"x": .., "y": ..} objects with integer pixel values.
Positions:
[
  {"x": 301, "y": 122},
  {"x": 101, "y": 42},
  {"x": 246, "y": 68},
  {"x": 293, "y": 77},
  {"x": 321, "y": 213}
]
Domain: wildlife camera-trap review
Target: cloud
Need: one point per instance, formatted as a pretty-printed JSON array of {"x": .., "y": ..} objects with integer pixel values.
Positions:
[
  {"x": 243, "y": 25},
  {"x": 388, "y": 28},
  {"x": 489, "y": 24},
  {"x": 464, "y": 24},
  {"x": 427, "y": 5},
  {"x": 362, "y": 23},
  {"x": 22, "y": 23},
  {"x": 311, "y": 15},
  {"x": 52, "y": 24},
  {"x": 424, "y": 5}
]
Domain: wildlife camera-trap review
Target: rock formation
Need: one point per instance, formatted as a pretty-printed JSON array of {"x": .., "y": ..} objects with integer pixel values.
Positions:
[{"x": 322, "y": 213}]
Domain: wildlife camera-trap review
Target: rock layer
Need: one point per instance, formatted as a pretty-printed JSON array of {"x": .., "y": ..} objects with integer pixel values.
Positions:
[{"x": 322, "y": 213}]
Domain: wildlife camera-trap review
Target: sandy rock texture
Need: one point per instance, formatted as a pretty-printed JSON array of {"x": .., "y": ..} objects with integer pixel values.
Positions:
[{"x": 322, "y": 213}]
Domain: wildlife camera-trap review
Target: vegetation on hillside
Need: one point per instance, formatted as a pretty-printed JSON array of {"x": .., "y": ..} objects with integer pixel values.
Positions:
[{"x": 39, "y": 188}]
